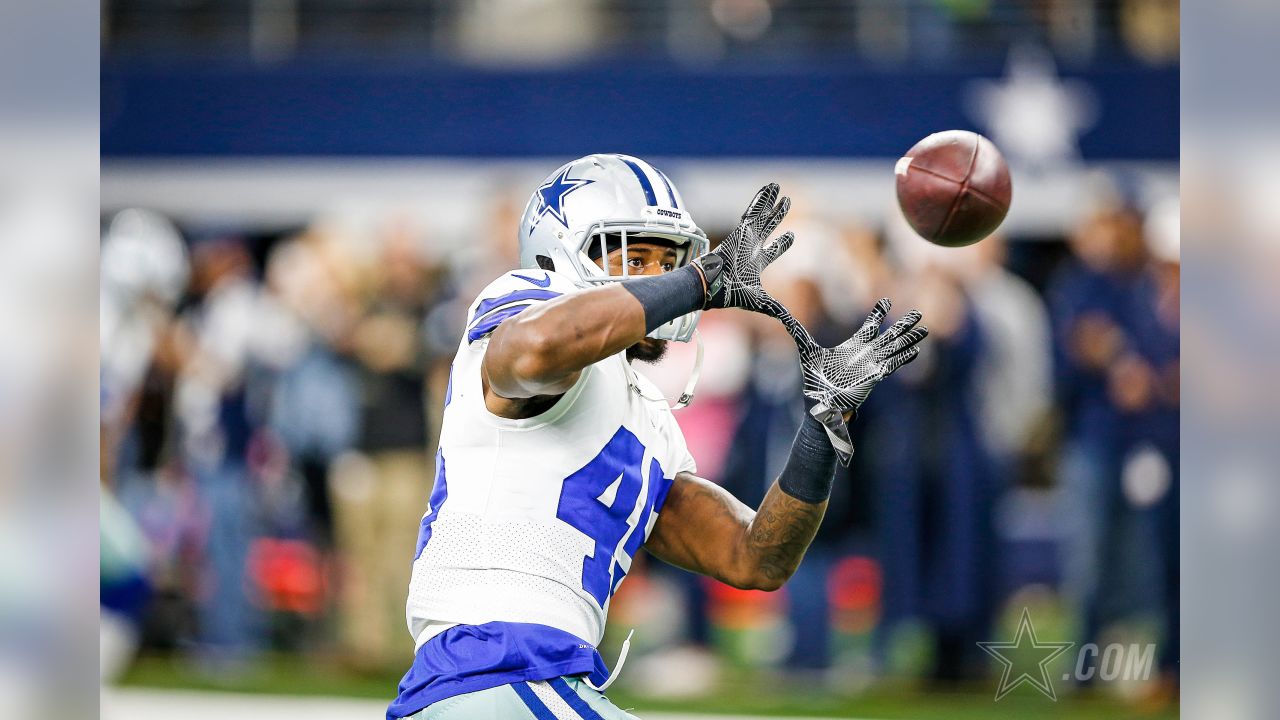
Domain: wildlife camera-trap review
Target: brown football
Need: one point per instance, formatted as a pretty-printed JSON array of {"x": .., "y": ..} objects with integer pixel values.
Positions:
[{"x": 954, "y": 188}]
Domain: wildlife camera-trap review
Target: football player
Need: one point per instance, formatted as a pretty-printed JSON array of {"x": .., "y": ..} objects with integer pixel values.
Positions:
[{"x": 559, "y": 460}]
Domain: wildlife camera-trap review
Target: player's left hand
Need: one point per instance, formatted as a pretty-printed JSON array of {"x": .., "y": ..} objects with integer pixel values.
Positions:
[
  {"x": 837, "y": 380},
  {"x": 732, "y": 270}
]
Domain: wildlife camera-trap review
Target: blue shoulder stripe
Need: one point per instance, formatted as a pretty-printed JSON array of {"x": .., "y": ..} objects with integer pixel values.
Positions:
[
  {"x": 643, "y": 178},
  {"x": 492, "y": 321},
  {"x": 531, "y": 294},
  {"x": 531, "y": 701},
  {"x": 574, "y": 700}
]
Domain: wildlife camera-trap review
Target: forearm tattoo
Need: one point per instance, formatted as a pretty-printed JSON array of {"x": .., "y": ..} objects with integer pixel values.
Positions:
[{"x": 781, "y": 532}]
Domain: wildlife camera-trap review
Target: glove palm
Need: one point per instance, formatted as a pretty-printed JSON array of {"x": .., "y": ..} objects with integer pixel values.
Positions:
[{"x": 837, "y": 380}]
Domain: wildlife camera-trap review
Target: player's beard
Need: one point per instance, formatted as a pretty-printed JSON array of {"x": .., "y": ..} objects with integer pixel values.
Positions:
[{"x": 647, "y": 350}]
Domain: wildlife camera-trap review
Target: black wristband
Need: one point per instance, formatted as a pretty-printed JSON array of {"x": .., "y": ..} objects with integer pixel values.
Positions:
[
  {"x": 811, "y": 467},
  {"x": 667, "y": 297}
]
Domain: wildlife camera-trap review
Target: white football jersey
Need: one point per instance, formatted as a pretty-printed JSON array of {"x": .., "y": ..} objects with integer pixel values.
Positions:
[{"x": 537, "y": 520}]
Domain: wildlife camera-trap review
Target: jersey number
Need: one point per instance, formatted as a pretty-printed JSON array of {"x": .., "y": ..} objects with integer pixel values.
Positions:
[{"x": 602, "y": 501}]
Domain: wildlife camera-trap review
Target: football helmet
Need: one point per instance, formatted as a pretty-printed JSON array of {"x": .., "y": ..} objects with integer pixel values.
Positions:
[{"x": 599, "y": 203}]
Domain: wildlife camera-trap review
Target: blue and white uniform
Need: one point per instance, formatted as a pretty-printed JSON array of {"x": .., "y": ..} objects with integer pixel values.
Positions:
[{"x": 532, "y": 524}]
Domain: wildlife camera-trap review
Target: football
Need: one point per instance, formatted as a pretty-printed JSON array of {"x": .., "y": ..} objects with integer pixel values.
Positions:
[{"x": 954, "y": 188}]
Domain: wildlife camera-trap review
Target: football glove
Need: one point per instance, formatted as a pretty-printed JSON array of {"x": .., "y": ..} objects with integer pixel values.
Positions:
[
  {"x": 732, "y": 270},
  {"x": 837, "y": 380}
]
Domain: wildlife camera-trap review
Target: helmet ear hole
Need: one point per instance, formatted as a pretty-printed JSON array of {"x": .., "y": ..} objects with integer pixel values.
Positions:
[{"x": 545, "y": 263}]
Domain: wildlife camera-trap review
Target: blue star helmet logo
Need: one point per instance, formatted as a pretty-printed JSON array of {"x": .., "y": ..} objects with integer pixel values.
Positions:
[{"x": 551, "y": 196}]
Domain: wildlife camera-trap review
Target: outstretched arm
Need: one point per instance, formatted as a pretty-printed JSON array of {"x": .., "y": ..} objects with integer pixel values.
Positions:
[
  {"x": 542, "y": 350},
  {"x": 705, "y": 529}
]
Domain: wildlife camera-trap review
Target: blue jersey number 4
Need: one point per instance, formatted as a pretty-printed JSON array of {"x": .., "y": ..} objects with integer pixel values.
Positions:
[{"x": 598, "y": 501}]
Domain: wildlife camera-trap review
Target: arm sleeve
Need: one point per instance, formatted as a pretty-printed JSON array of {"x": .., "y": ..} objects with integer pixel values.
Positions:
[{"x": 811, "y": 466}]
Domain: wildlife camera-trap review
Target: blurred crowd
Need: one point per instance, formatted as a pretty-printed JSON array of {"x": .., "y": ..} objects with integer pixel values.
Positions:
[
  {"x": 534, "y": 31},
  {"x": 270, "y": 403}
]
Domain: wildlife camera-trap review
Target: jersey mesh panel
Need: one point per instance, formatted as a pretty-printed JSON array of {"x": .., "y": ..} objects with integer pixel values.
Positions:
[{"x": 467, "y": 552}]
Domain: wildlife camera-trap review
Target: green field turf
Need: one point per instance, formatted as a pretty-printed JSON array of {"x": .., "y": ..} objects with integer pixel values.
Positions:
[{"x": 741, "y": 692}]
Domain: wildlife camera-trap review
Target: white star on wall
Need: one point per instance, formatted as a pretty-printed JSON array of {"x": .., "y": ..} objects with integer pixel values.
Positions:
[{"x": 1032, "y": 115}]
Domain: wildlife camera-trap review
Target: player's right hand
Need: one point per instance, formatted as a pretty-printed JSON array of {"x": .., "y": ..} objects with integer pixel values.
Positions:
[{"x": 732, "y": 270}]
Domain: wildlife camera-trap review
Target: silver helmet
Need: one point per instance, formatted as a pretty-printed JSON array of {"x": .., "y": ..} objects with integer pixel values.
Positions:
[{"x": 607, "y": 200}]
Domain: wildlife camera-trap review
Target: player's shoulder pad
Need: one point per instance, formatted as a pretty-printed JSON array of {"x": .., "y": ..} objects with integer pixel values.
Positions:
[{"x": 510, "y": 294}]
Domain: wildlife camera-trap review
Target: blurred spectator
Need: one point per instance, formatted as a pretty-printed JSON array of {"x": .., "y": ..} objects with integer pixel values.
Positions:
[
  {"x": 935, "y": 488},
  {"x": 315, "y": 400},
  {"x": 148, "y": 512},
  {"x": 1091, "y": 300},
  {"x": 1146, "y": 387},
  {"x": 215, "y": 406},
  {"x": 1014, "y": 383},
  {"x": 381, "y": 491},
  {"x": 144, "y": 271}
]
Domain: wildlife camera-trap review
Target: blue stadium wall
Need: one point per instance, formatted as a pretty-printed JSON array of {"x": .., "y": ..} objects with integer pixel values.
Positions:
[{"x": 175, "y": 109}]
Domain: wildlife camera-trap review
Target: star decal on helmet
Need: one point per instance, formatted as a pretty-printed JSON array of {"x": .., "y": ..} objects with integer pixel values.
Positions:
[{"x": 551, "y": 196}]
